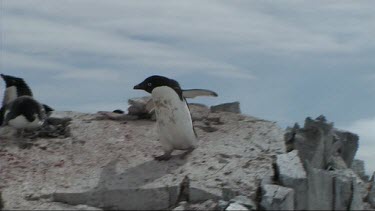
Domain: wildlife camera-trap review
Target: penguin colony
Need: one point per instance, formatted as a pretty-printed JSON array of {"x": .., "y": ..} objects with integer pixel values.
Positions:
[{"x": 173, "y": 119}]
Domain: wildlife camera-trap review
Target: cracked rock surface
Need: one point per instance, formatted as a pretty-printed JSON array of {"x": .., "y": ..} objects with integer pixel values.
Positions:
[{"x": 108, "y": 164}]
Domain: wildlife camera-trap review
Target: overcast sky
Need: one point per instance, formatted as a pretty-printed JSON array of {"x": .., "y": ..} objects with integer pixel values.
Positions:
[{"x": 283, "y": 60}]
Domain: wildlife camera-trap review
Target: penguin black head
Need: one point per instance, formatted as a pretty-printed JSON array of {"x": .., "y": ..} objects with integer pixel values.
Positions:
[
  {"x": 155, "y": 81},
  {"x": 22, "y": 87}
]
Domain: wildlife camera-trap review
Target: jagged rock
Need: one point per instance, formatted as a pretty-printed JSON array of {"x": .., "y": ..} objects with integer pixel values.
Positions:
[
  {"x": 227, "y": 107},
  {"x": 245, "y": 201},
  {"x": 320, "y": 192},
  {"x": 292, "y": 174},
  {"x": 207, "y": 205},
  {"x": 350, "y": 144},
  {"x": 236, "y": 207},
  {"x": 318, "y": 141},
  {"x": 314, "y": 142},
  {"x": 336, "y": 163},
  {"x": 275, "y": 197},
  {"x": 358, "y": 167},
  {"x": 371, "y": 195}
]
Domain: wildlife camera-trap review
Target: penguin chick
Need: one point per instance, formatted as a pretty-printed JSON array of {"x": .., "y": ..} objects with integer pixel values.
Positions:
[{"x": 173, "y": 118}]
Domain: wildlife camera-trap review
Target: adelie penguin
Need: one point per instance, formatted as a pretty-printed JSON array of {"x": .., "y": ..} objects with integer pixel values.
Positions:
[
  {"x": 23, "y": 113},
  {"x": 17, "y": 87},
  {"x": 175, "y": 126}
]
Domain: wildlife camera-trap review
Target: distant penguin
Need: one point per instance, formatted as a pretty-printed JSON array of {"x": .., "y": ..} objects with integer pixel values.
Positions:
[
  {"x": 17, "y": 87},
  {"x": 23, "y": 113},
  {"x": 175, "y": 126}
]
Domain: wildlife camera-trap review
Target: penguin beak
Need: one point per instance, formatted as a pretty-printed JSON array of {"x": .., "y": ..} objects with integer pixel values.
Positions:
[{"x": 139, "y": 86}]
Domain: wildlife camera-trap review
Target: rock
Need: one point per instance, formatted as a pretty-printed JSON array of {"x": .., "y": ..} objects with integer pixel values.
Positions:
[
  {"x": 119, "y": 170},
  {"x": 314, "y": 142},
  {"x": 222, "y": 205},
  {"x": 245, "y": 201},
  {"x": 371, "y": 195},
  {"x": 292, "y": 174},
  {"x": 227, "y": 107},
  {"x": 358, "y": 167},
  {"x": 320, "y": 189},
  {"x": 276, "y": 197},
  {"x": 356, "y": 200},
  {"x": 349, "y": 148},
  {"x": 343, "y": 192},
  {"x": 236, "y": 207},
  {"x": 181, "y": 206},
  {"x": 121, "y": 199},
  {"x": 138, "y": 107},
  {"x": 198, "y": 111},
  {"x": 318, "y": 141},
  {"x": 207, "y": 205},
  {"x": 336, "y": 163}
]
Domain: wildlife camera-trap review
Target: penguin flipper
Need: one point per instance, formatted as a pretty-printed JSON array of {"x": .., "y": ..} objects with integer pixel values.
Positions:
[
  {"x": 192, "y": 93},
  {"x": 2, "y": 115},
  {"x": 47, "y": 108}
]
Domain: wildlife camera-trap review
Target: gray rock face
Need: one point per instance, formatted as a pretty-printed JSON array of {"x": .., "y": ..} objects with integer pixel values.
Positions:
[
  {"x": 371, "y": 195},
  {"x": 320, "y": 189},
  {"x": 276, "y": 197},
  {"x": 318, "y": 141},
  {"x": 109, "y": 164},
  {"x": 227, "y": 107},
  {"x": 327, "y": 155},
  {"x": 358, "y": 167},
  {"x": 292, "y": 174}
]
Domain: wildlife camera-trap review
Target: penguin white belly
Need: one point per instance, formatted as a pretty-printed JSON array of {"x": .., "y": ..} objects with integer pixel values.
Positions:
[
  {"x": 173, "y": 119},
  {"x": 20, "y": 122},
  {"x": 10, "y": 95}
]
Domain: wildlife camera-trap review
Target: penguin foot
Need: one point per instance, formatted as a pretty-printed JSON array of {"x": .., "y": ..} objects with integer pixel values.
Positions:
[
  {"x": 183, "y": 155},
  {"x": 165, "y": 156}
]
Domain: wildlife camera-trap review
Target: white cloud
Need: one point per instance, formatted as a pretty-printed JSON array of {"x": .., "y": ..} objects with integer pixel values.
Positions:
[{"x": 365, "y": 128}]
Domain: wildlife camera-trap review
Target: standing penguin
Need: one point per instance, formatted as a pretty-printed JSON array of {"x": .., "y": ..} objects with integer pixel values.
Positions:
[
  {"x": 16, "y": 87},
  {"x": 175, "y": 127}
]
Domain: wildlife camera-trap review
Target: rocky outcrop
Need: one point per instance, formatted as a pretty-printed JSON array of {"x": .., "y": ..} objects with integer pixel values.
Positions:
[
  {"x": 327, "y": 155},
  {"x": 106, "y": 162}
]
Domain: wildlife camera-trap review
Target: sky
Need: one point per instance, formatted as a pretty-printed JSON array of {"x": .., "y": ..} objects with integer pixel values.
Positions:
[{"x": 282, "y": 60}]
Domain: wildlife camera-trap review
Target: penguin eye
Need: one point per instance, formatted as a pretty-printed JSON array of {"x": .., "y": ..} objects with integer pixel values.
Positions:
[{"x": 149, "y": 84}]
